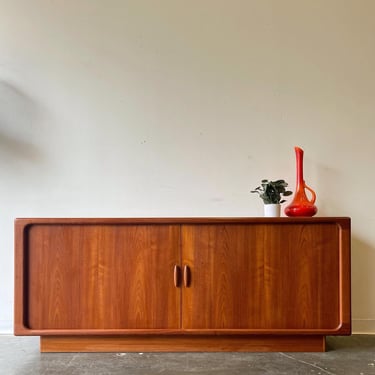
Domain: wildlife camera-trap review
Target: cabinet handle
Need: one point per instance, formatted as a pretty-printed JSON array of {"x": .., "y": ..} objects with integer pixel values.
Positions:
[
  {"x": 176, "y": 276},
  {"x": 186, "y": 276}
]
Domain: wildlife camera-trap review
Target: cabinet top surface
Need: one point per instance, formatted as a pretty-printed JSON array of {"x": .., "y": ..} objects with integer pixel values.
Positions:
[{"x": 183, "y": 220}]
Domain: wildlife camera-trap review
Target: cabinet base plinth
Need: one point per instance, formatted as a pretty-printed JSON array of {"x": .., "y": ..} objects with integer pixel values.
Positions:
[{"x": 193, "y": 343}]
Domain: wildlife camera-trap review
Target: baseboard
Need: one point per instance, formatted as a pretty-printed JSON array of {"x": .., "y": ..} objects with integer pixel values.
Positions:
[
  {"x": 363, "y": 326},
  {"x": 6, "y": 327}
]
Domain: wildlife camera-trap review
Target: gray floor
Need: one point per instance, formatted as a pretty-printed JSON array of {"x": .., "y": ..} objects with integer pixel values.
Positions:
[{"x": 345, "y": 355}]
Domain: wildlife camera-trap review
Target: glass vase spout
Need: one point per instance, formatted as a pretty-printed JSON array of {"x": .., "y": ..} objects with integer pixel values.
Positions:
[{"x": 301, "y": 205}]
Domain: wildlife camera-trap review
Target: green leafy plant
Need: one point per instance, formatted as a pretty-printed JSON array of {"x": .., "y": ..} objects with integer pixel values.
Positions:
[{"x": 272, "y": 191}]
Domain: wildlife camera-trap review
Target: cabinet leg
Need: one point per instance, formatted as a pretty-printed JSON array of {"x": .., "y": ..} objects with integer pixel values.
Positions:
[{"x": 187, "y": 343}]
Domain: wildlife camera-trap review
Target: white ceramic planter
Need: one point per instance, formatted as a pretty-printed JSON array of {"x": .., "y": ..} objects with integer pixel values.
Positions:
[{"x": 272, "y": 210}]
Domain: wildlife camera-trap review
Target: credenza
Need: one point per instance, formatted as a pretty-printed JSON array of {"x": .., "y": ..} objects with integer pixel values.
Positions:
[{"x": 182, "y": 284}]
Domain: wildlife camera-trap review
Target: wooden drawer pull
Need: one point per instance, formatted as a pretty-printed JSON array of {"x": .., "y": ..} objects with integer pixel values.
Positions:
[
  {"x": 176, "y": 276},
  {"x": 187, "y": 276}
]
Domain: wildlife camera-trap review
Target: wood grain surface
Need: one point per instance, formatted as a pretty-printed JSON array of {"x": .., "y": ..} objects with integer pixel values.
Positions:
[
  {"x": 183, "y": 343},
  {"x": 177, "y": 279},
  {"x": 258, "y": 276},
  {"x": 102, "y": 277}
]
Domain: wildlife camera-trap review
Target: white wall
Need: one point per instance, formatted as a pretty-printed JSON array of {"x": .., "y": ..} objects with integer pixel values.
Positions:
[{"x": 179, "y": 108}]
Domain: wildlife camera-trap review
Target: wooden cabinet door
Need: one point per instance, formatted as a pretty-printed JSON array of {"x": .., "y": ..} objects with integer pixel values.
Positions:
[
  {"x": 262, "y": 277},
  {"x": 86, "y": 276}
]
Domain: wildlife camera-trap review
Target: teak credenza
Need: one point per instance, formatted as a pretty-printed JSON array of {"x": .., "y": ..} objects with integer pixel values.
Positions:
[{"x": 182, "y": 284}]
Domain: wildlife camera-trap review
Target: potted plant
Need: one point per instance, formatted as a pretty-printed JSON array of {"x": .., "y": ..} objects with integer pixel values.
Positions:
[{"x": 272, "y": 193}]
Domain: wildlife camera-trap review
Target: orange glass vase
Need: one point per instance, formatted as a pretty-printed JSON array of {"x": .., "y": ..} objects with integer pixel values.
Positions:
[{"x": 301, "y": 205}]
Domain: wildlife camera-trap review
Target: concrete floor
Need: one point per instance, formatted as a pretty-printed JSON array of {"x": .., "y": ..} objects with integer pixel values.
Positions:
[{"x": 345, "y": 355}]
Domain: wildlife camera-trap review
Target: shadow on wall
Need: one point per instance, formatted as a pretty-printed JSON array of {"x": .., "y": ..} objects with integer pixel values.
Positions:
[
  {"x": 18, "y": 119},
  {"x": 327, "y": 180}
]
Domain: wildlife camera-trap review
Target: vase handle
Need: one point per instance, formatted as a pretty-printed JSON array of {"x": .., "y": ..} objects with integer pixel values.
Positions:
[{"x": 313, "y": 195}]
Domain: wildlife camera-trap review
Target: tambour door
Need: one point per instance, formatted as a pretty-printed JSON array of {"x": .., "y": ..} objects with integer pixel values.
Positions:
[
  {"x": 275, "y": 276},
  {"x": 101, "y": 276}
]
